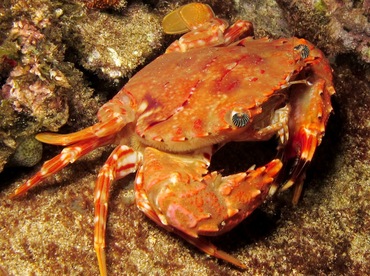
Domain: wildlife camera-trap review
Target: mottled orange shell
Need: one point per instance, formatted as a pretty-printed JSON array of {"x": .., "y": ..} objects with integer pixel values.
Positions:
[{"x": 189, "y": 94}]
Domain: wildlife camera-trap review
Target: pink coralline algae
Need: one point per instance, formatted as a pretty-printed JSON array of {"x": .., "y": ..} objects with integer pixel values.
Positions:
[
  {"x": 35, "y": 87},
  {"x": 32, "y": 93}
]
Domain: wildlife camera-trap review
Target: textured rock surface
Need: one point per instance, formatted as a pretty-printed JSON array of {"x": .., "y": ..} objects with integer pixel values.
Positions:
[
  {"x": 45, "y": 46},
  {"x": 49, "y": 231}
]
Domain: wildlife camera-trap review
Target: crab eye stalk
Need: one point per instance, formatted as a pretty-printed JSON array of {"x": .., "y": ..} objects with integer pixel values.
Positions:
[
  {"x": 239, "y": 119},
  {"x": 303, "y": 49}
]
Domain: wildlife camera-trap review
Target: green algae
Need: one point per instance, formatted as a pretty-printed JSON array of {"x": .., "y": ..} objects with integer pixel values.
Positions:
[
  {"x": 321, "y": 6},
  {"x": 28, "y": 153}
]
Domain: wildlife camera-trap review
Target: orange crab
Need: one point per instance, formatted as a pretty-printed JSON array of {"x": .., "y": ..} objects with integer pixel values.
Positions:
[{"x": 214, "y": 85}]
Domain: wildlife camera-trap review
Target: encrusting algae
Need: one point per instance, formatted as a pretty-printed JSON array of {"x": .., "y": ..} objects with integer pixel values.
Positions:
[
  {"x": 105, "y": 4},
  {"x": 43, "y": 51}
]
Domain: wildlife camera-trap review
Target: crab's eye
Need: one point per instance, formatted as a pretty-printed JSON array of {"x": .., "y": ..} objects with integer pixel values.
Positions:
[
  {"x": 303, "y": 49},
  {"x": 239, "y": 119}
]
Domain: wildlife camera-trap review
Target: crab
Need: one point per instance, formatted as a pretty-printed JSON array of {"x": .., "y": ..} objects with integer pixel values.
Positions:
[{"x": 214, "y": 85}]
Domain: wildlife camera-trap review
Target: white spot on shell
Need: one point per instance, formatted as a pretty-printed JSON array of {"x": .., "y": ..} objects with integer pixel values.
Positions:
[
  {"x": 142, "y": 106},
  {"x": 201, "y": 42},
  {"x": 230, "y": 66}
]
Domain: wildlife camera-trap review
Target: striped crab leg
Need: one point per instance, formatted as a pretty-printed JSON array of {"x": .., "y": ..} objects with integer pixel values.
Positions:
[
  {"x": 311, "y": 107},
  {"x": 122, "y": 161},
  {"x": 67, "y": 156},
  {"x": 113, "y": 116}
]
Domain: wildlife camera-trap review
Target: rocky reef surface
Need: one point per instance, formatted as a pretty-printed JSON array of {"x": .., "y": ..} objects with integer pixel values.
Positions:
[{"x": 61, "y": 60}]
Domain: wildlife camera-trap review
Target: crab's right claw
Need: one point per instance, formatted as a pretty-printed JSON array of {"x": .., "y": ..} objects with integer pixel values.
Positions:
[{"x": 176, "y": 192}]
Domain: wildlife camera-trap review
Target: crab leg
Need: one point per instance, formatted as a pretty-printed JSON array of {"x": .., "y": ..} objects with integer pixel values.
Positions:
[
  {"x": 122, "y": 161},
  {"x": 238, "y": 30},
  {"x": 68, "y": 155},
  {"x": 306, "y": 131},
  {"x": 113, "y": 116},
  {"x": 192, "y": 203}
]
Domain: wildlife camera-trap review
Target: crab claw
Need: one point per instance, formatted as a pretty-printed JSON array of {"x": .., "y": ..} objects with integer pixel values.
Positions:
[
  {"x": 202, "y": 27},
  {"x": 311, "y": 107},
  {"x": 175, "y": 191}
]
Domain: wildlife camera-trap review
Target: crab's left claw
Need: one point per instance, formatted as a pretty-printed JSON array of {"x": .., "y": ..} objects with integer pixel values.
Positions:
[
  {"x": 306, "y": 132},
  {"x": 186, "y": 18}
]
